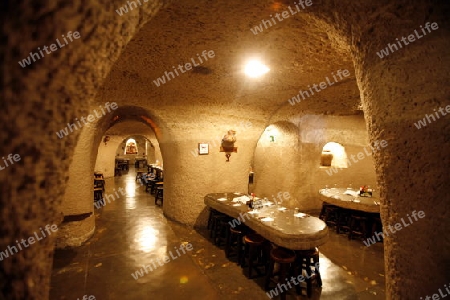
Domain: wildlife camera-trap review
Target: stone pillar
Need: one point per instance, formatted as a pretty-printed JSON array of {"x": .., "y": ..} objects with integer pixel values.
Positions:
[
  {"x": 397, "y": 91},
  {"x": 77, "y": 206}
]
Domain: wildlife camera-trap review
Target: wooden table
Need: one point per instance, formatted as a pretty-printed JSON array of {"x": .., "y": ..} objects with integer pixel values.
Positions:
[
  {"x": 286, "y": 230},
  {"x": 336, "y": 196}
]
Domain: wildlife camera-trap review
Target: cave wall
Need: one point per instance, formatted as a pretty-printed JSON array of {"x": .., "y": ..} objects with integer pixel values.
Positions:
[{"x": 292, "y": 162}]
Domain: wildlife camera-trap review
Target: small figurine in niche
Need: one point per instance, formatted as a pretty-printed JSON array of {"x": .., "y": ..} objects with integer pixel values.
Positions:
[{"x": 228, "y": 141}]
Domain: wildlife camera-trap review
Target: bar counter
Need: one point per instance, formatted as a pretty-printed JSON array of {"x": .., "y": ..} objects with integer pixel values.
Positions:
[{"x": 286, "y": 230}]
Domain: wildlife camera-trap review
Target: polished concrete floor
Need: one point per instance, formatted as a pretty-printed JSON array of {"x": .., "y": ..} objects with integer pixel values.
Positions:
[{"x": 132, "y": 232}]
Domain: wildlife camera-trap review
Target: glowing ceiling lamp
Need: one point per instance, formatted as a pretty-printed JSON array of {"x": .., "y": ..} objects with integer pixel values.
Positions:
[{"x": 255, "y": 68}]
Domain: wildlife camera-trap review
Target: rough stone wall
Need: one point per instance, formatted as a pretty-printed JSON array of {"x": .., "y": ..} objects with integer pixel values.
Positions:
[
  {"x": 276, "y": 164},
  {"x": 105, "y": 161},
  {"x": 292, "y": 163},
  {"x": 188, "y": 177},
  {"x": 413, "y": 169},
  {"x": 38, "y": 101},
  {"x": 397, "y": 91}
]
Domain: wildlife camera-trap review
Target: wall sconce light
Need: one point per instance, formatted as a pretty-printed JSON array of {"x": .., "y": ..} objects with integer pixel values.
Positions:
[
  {"x": 227, "y": 146},
  {"x": 106, "y": 139}
]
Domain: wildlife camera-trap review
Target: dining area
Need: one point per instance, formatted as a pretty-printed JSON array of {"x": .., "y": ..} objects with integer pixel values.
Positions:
[
  {"x": 265, "y": 236},
  {"x": 354, "y": 213},
  {"x": 282, "y": 246}
]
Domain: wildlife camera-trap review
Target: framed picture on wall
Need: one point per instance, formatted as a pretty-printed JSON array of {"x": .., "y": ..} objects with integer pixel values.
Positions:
[{"x": 203, "y": 148}]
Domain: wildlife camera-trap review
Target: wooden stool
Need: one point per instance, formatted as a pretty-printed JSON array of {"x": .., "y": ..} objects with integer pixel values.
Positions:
[
  {"x": 343, "y": 221},
  {"x": 377, "y": 226},
  {"x": 222, "y": 230},
  {"x": 283, "y": 257},
  {"x": 99, "y": 183},
  {"x": 212, "y": 213},
  {"x": 331, "y": 215},
  {"x": 98, "y": 194},
  {"x": 307, "y": 260},
  {"x": 154, "y": 185},
  {"x": 216, "y": 225},
  {"x": 358, "y": 225},
  {"x": 98, "y": 175},
  {"x": 255, "y": 250},
  {"x": 323, "y": 211},
  {"x": 159, "y": 195},
  {"x": 139, "y": 175},
  {"x": 234, "y": 245}
]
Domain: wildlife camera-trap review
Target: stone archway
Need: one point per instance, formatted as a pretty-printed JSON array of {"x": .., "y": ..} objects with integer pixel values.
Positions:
[
  {"x": 395, "y": 92},
  {"x": 77, "y": 206}
]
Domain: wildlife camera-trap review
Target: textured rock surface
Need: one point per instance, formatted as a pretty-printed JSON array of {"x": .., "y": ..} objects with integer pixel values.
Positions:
[{"x": 203, "y": 104}]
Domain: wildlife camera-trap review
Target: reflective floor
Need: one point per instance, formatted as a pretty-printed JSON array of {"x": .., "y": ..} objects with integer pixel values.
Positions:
[{"x": 182, "y": 263}]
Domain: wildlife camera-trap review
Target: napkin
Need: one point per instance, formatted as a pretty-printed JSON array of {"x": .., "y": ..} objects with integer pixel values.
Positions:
[
  {"x": 242, "y": 199},
  {"x": 267, "y": 219},
  {"x": 351, "y": 193},
  {"x": 300, "y": 215}
]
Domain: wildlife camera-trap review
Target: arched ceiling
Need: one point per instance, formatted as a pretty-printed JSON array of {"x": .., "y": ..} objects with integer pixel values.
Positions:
[
  {"x": 299, "y": 51},
  {"x": 131, "y": 128}
]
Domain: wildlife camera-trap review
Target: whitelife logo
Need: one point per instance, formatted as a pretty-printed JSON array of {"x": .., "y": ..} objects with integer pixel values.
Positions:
[
  {"x": 27, "y": 61},
  {"x": 152, "y": 266},
  {"x": 31, "y": 240},
  {"x": 90, "y": 118},
  {"x": 86, "y": 297},
  {"x": 285, "y": 14},
  {"x": 438, "y": 296},
  {"x": 376, "y": 237},
  {"x": 124, "y": 9},
  {"x": 188, "y": 66},
  {"x": 100, "y": 203},
  {"x": 323, "y": 85},
  {"x": 411, "y": 38},
  {"x": 284, "y": 286},
  {"x": 10, "y": 158},
  {"x": 423, "y": 122}
]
